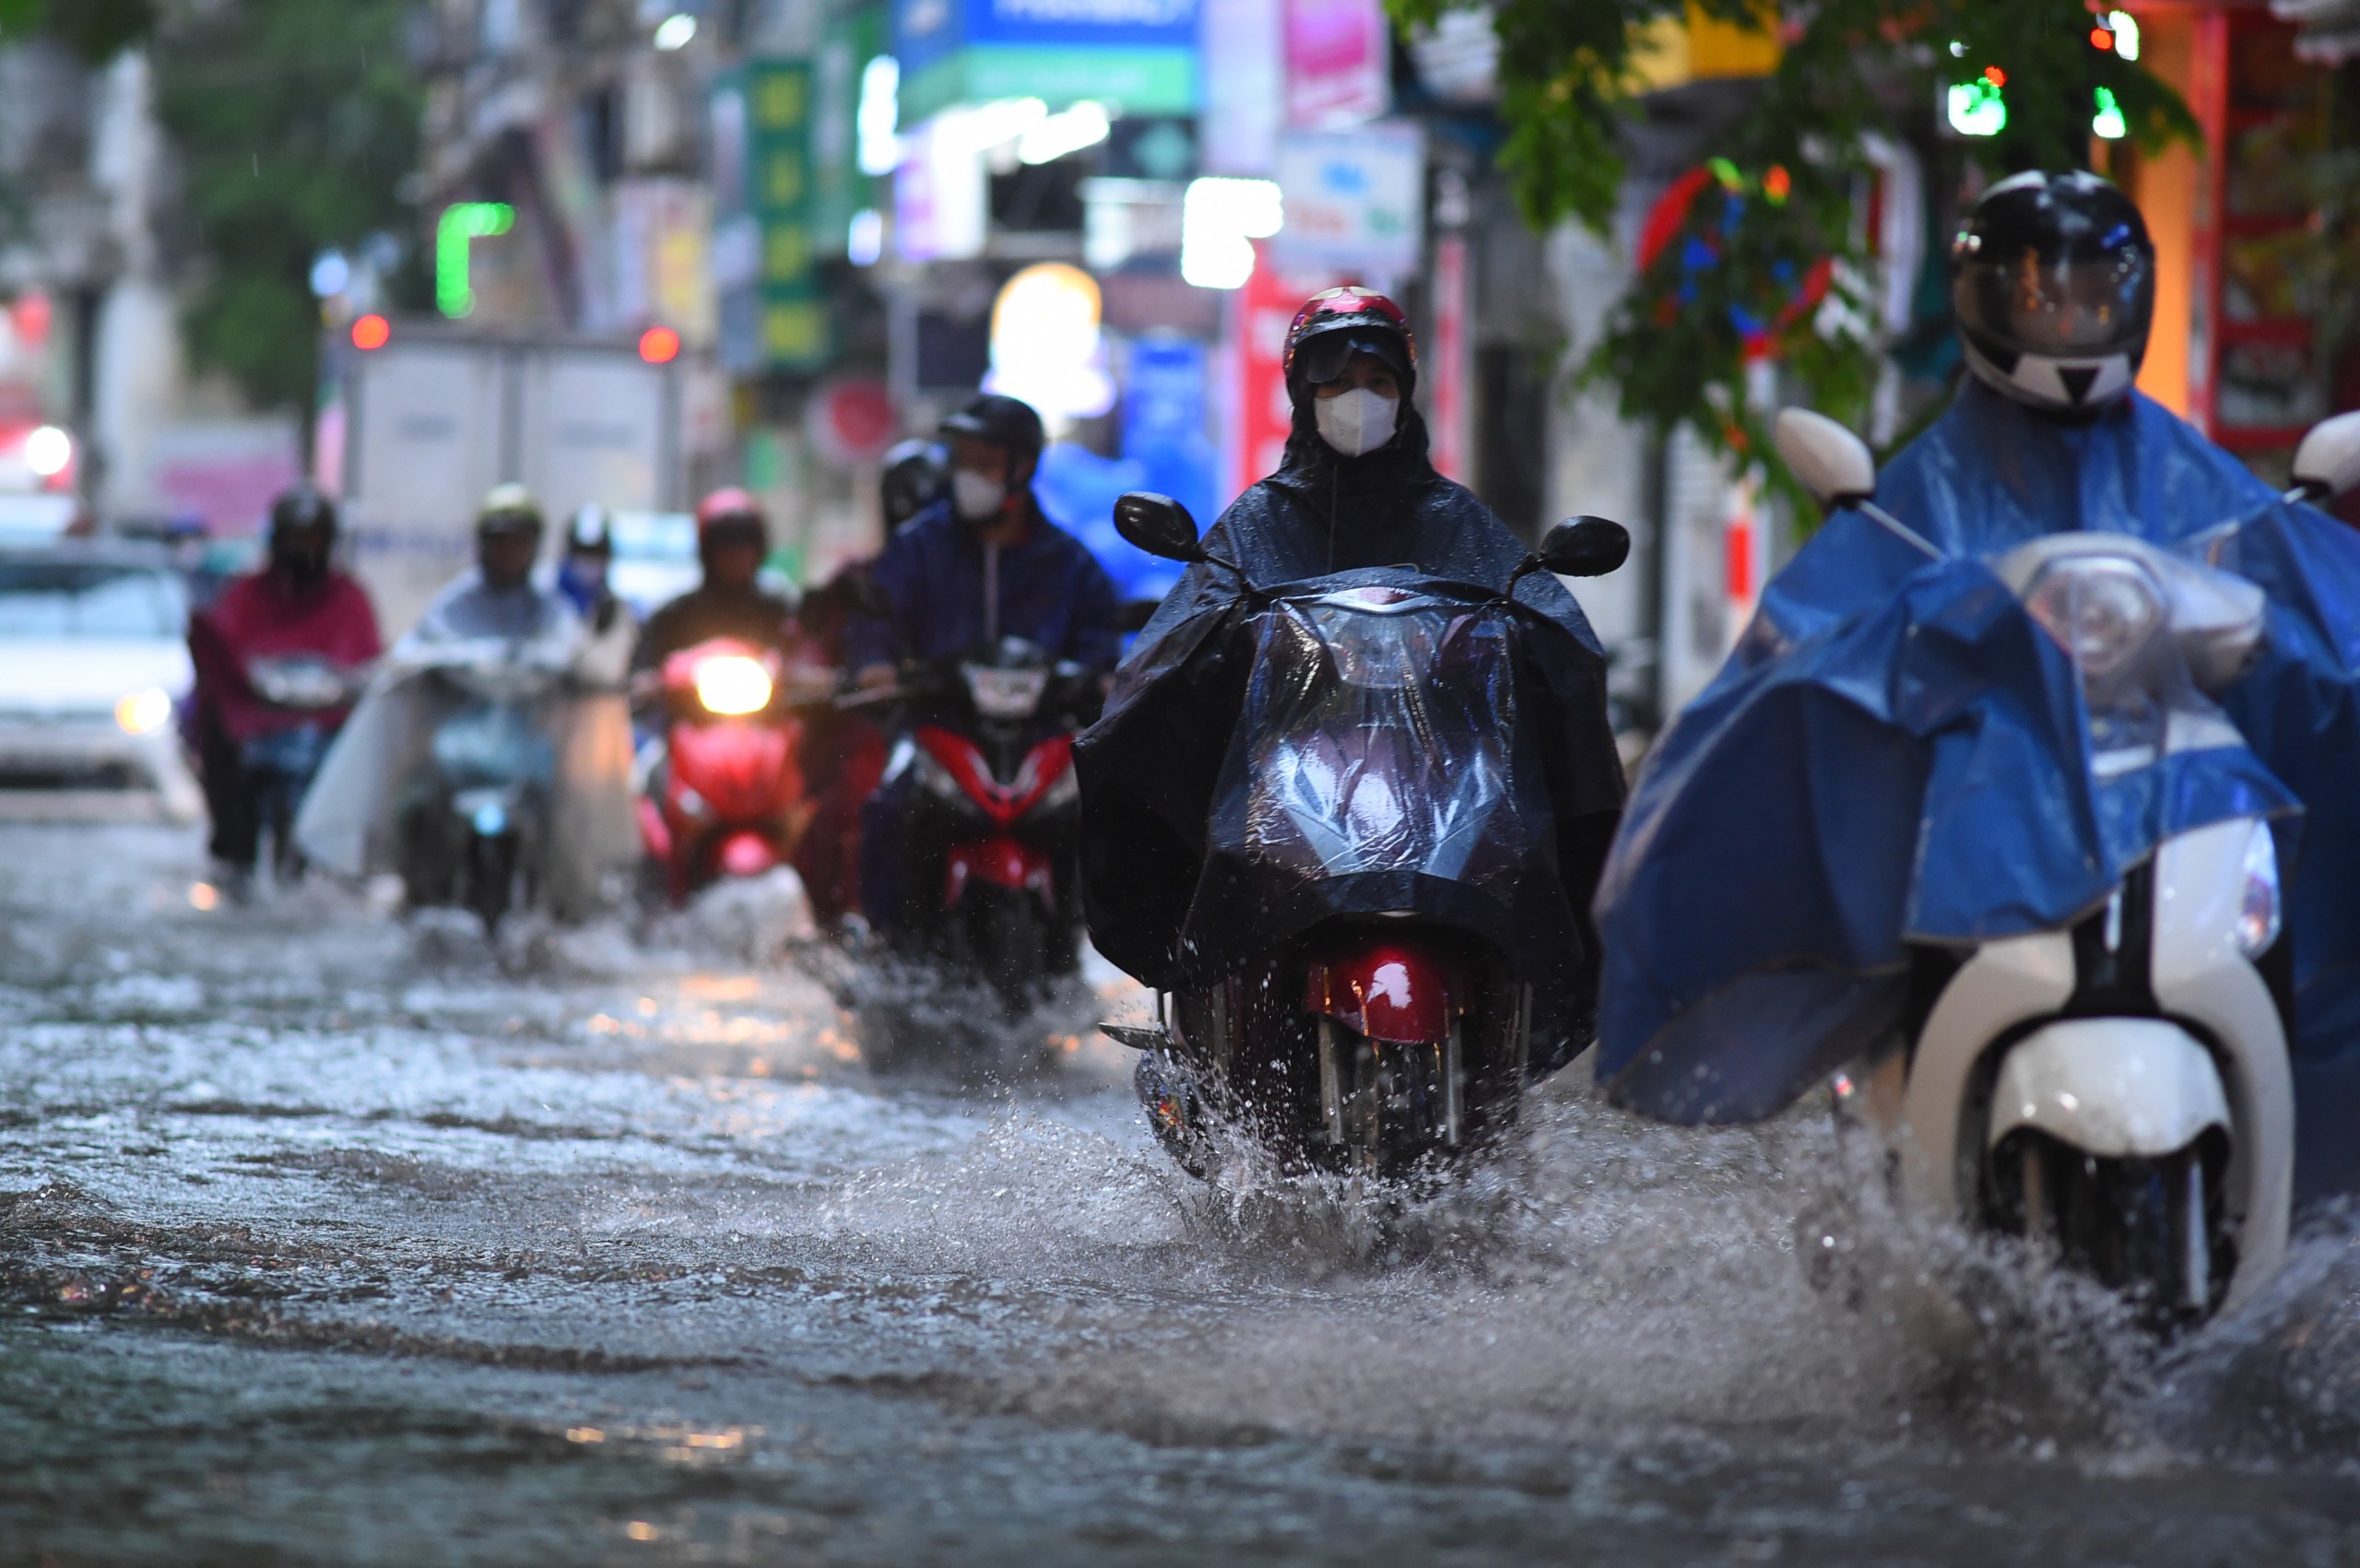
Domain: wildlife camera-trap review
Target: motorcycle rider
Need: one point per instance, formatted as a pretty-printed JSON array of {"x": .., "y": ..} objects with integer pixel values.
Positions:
[
  {"x": 368, "y": 794},
  {"x": 733, "y": 538},
  {"x": 1828, "y": 889},
  {"x": 843, "y": 751},
  {"x": 1356, "y": 489},
  {"x": 298, "y": 603},
  {"x": 610, "y": 630},
  {"x": 980, "y": 565}
]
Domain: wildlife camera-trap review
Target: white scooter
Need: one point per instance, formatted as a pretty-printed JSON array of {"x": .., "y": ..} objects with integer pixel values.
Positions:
[{"x": 2119, "y": 1089}]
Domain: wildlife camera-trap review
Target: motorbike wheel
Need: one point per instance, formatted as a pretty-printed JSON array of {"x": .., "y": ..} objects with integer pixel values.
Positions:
[
  {"x": 2150, "y": 1228},
  {"x": 1010, "y": 940},
  {"x": 1396, "y": 1104},
  {"x": 491, "y": 878}
]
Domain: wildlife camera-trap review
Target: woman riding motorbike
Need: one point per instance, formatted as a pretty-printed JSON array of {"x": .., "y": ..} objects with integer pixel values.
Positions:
[
  {"x": 251, "y": 739},
  {"x": 1356, "y": 491}
]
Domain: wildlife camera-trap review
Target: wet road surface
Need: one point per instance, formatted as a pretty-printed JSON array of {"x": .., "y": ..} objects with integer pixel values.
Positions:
[{"x": 325, "y": 1238}]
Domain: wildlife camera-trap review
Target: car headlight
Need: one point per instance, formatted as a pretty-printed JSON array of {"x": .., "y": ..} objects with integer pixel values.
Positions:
[
  {"x": 143, "y": 713},
  {"x": 2258, "y": 912},
  {"x": 2103, "y": 609},
  {"x": 730, "y": 685}
]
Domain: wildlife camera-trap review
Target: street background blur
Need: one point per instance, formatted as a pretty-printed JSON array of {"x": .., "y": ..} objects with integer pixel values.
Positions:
[{"x": 627, "y": 250}]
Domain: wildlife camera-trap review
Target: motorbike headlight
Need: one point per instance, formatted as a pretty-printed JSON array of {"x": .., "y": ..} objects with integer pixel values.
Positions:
[
  {"x": 730, "y": 685},
  {"x": 1005, "y": 694},
  {"x": 2103, "y": 609},
  {"x": 2258, "y": 912},
  {"x": 143, "y": 713}
]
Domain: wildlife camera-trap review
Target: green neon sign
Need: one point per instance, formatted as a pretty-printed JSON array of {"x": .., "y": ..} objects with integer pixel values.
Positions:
[{"x": 460, "y": 225}]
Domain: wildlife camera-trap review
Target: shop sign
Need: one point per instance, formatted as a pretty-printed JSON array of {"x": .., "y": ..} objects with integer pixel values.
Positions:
[
  {"x": 1339, "y": 62},
  {"x": 1355, "y": 200},
  {"x": 1139, "y": 54},
  {"x": 774, "y": 316}
]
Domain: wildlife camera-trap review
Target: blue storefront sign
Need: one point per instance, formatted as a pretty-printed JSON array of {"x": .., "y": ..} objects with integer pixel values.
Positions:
[{"x": 1138, "y": 55}]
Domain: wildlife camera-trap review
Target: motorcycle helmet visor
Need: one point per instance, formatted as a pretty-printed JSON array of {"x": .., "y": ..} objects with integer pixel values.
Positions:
[
  {"x": 2085, "y": 305},
  {"x": 1323, "y": 358}
]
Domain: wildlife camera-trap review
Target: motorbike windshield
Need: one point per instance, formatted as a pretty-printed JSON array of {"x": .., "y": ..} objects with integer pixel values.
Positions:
[
  {"x": 1375, "y": 769},
  {"x": 1375, "y": 739}
]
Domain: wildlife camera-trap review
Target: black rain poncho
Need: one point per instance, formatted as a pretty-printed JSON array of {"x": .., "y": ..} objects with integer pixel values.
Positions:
[{"x": 1178, "y": 881}]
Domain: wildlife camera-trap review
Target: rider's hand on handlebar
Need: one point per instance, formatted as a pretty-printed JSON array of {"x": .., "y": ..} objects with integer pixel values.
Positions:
[{"x": 876, "y": 678}]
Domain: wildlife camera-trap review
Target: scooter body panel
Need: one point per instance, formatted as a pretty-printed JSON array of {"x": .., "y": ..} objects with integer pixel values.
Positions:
[{"x": 2201, "y": 975}]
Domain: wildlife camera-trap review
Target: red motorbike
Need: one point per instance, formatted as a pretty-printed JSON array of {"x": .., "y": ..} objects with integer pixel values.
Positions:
[
  {"x": 985, "y": 768},
  {"x": 723, "y": 794}
]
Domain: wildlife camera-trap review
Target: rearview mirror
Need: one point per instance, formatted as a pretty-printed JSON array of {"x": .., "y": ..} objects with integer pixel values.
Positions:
[
  {"x": 1832, "y": 464},
  {"x": 2328, "y": 462},
  {"x": 1158, "y": 524},
  {"x": 1586, "y": 547}
]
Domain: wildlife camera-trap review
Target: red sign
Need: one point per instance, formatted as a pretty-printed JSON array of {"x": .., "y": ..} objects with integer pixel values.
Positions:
[
  {"x": 1445, "y": 367},
  {"x": 851, "y": 421},
  {"x": 1339, "y": 55}
]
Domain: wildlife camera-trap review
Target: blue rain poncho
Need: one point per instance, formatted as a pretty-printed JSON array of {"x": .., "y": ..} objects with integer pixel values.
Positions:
[{"x": 1897, "y": 754}]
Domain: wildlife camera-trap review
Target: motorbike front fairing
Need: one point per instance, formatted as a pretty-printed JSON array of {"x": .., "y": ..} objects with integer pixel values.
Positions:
[
  {"x": 1398, "y": 747},
  {"x": 1896, "y": 754}
]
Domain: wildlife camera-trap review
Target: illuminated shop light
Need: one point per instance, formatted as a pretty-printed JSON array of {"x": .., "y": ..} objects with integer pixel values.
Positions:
[
  {"x": 865, "y": 237},
  {"x": 1220, "y": 219},
  {"x": 2125, "y": 28},
  {"x": 1084, "y": 124},
  {"x": 48, "y": 451},
  {"x": 1978, "y": 108},
  {"x": 462, "y": 224},
  {"x": 2108, "y": 122},
  {"x": 675, "y": 31},
  {"x": 878, "y": 116}
]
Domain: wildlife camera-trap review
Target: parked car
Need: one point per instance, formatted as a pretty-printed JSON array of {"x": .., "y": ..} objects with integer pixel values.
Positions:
[{"x": 93, "y": 659}]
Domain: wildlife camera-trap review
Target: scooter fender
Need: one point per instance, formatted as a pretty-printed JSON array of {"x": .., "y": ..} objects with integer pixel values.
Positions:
[
  {"x": 1396, "y": 990},
  {"x": 654, "y": 833},
  {"x": 2119, "y": 1088}
]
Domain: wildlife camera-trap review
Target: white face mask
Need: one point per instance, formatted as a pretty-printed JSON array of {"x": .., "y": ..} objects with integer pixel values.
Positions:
[
  {"x": 976, "y": 497},
  {"x": 1357, "y": 422}
]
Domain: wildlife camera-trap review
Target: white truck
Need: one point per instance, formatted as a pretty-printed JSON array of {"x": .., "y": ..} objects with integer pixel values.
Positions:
[{"x": 415, "y": 429}]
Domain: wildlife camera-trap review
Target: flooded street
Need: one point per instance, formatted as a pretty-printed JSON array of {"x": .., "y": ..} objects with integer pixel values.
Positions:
[{"x": 329, "y": 1239}]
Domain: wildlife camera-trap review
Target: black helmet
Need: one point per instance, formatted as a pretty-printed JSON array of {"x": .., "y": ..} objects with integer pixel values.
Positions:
[
  {"x": 509, "y": 509},
  {"x": 591, "y": 533},
  {"x": 1001, "y": 422},
  {"x": 912, "y": 479},
  {"x": 300, "y": 508},
  {"x": 2053, "y": 278},
  {"x": 1335, "y": 324}
]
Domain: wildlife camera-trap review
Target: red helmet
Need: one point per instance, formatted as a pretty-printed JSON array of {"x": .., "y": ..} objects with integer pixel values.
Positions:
[
  {"x": 731, "y": 512},
  {"x": 1337, "y": 322}
]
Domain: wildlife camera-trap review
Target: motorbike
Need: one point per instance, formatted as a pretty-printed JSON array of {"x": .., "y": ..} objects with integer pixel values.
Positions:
[
  {"x": 474, "y": 836},
  {"x": 2118, "y": 1091},
  {"x": 278, "y": 765},
  {"x": 721, "y": 791},
  {"x": 1382, "y": 752},
  {"x": 987, "y": 740}
]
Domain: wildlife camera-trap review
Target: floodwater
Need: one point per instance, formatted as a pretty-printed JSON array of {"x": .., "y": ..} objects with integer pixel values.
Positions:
[{"x": 328, "y": 1239}]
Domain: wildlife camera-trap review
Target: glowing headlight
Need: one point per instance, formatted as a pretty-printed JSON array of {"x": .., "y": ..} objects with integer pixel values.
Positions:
[
  {"x": 732, "y": 684},
  {"x": 2258, "y": 912},
  {"x": 2101, "y": 609},
  {"x": 143, "y": 713}
]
